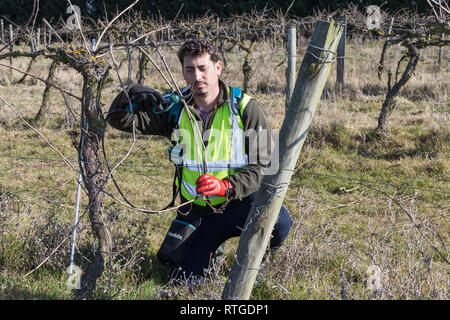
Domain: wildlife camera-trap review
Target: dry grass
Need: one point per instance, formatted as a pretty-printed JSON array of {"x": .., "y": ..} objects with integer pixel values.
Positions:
[{"x": 352, "y": 197}]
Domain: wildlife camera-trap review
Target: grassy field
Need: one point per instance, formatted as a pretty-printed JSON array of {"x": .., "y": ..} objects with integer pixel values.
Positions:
[{"x": 360, "y": 201}]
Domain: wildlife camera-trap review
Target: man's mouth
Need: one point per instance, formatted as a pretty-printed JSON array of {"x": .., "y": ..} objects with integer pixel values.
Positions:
[{"x": 199, "y": 84}]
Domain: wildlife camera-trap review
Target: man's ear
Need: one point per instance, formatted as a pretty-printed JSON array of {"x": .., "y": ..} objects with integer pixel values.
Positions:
[{"x": 219, "y": 67}]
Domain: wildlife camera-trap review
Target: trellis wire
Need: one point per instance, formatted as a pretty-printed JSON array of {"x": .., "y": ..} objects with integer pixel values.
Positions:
[{"x": 402, "y": 185}]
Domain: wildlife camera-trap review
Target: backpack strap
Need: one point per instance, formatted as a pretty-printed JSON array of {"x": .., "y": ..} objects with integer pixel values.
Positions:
[
  {"x": 174, "y": 114},
  {"x": 175, "y": 188},
  {"x": 235, "y": 99},
  {"x": 176, "y": 106}
]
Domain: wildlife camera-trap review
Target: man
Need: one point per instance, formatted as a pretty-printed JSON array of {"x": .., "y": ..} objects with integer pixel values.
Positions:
[{"x": 220, "y": 166}]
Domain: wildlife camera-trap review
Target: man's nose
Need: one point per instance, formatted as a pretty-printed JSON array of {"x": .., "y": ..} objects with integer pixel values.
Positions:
[{"x": 197, "y": 74}]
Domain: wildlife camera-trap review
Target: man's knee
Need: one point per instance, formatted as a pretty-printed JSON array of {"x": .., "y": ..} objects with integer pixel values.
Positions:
[{"x": 281, "y": 228}]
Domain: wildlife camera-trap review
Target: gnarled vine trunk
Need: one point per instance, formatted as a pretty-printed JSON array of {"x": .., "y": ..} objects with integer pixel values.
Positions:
[
  {"x": 94, "y": 179},
  {"x": 389, "y": 102},
  {"x": 43, "y": 110}
]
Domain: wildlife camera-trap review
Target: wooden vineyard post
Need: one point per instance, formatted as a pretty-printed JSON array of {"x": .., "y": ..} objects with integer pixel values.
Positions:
[
  {"x": 255, "y": 237},
  {"x": 11, "y": 48},
  {"x": 292, "y": 61},
  {"x": 2, "y": 27},
  {"x": 341, "y": 55},
  {"x": 38, "y": 39},
  {"x": 130, "y": 63}
]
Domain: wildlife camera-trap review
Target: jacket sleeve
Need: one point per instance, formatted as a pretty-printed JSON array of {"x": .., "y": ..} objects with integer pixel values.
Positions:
[
  {"x": 258, "y": 149},
  {"x": 146, "y": 122}
]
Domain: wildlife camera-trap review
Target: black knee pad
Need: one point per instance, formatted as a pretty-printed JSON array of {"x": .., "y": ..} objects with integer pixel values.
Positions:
[{"x": 281, "y": 228}]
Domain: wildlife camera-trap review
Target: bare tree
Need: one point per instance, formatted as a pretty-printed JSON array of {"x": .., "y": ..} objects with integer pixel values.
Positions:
[{"x": 421, "y": 36}]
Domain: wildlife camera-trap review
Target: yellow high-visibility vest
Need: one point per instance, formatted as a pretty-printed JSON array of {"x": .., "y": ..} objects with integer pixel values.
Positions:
[{"x": 225, "y": 149}]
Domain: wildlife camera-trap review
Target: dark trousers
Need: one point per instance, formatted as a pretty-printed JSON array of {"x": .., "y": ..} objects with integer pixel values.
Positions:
[{"x": 217, "y": 228}]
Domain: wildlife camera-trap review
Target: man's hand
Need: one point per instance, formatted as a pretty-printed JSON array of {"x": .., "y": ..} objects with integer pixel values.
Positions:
[
  {"x": 146, "y": 98},
  {"x": 211, "y": 186}
]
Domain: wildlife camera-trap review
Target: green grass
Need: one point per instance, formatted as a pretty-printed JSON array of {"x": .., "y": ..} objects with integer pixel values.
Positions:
[
  {"x": 340, "y": 196},
  {"x": 42, "y": 285}
]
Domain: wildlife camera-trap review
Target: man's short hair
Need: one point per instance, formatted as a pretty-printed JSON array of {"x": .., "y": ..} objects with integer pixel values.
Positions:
[{"x": 197, "y": 48}]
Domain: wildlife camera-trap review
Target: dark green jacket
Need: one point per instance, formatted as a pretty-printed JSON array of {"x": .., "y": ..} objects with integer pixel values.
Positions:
[{"x": 245, "y": 181}]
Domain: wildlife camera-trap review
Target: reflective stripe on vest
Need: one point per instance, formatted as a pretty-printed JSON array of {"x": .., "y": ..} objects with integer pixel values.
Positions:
[{"x": 225, "y": 151}]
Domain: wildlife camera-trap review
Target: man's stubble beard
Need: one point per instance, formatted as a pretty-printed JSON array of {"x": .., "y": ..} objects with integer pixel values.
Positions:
[
  {"x": 204, "y": 91},
  {"x": 200, "y": 92}
]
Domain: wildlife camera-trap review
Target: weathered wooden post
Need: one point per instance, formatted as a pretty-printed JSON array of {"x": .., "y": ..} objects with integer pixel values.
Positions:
[
  {"x": 49, "y": 42},
  {"x": 130, "y": 63},
  {"x": 216, "y": 41},
  {"x": 11, "y": 47},
  {"x": 341, "y": 55},
  {"x": 292, "y": 62},
  {"x": 32, "y": 42},
  {"x": 237, "y": 36},
  {"x": 38, "y": 39},
  {"x": 44, "y": 36},
  {"x": 440, "y": 54},
  {"x": 11, "y": 36},
  {"x": 311, "y": 79},
  {"x": 217, "y": 26},
  {"x": 2, "y": 27}
]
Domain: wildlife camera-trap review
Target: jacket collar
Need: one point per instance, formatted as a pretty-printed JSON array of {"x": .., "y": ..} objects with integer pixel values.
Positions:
[{"x": 223, "y": 94}]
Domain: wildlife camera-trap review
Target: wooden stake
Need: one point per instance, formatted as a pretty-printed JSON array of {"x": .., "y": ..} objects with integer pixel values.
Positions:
[
  {"x": 340, "y": 55},
  {"x": 217, "y": 26},
  {"x": 11, "y": 47},
  {"x": 440, "y": 54},
  {"x": 49, "y": 37},
  {"x": 44, "y": 36},
  {"x": 292, "y": 61},
  {"x": 3, "y": 30},
  {"x": 254, "y": 239},
  {"x": 130, "y": 63},
  {"x": 38, "y": 39}
]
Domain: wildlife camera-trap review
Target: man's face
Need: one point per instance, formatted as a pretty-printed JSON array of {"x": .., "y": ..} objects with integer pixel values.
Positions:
[{"x": 202, "y": 74}]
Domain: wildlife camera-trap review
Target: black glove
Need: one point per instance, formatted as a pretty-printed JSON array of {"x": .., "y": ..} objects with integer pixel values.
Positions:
[
  {"x": 146, "y": 98},
  {"x": 142, "y": 98}
]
